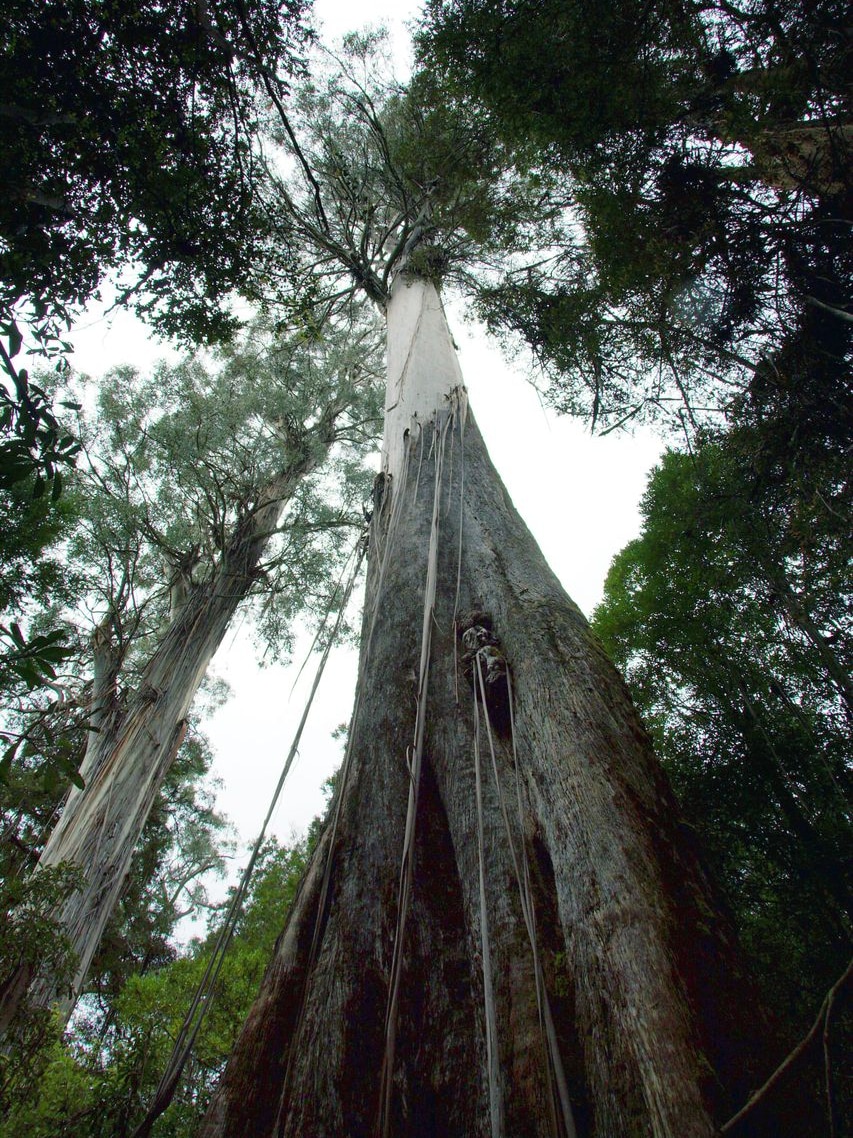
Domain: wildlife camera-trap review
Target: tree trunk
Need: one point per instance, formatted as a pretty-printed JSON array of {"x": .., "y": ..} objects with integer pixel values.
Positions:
[
  {"x": 503, "y": 930},
  {"x": 132, "y": 747}
]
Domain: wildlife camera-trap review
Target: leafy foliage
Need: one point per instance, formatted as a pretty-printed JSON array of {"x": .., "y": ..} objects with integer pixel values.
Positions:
[
  {"x": 100, "y": 1082},
  {"x": 128, "y": 135},
  {"x": 34, "y": 449},
  {"x": 705, "y": 158},
  {"x": 32, "y": 443},
  {"x": 36, "y": 642},
  {"x": 30, "y": 938},
  {"x": 183, "y": 846},
  {"x": 180, "y": 458},
  {"x": 375, "y": 170},
  {"x": 730, "y": 616}
]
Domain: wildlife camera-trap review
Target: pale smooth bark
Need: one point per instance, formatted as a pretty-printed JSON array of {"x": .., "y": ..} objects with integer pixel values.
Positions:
[
  {"x": 490, "y": 926},
  {"x": 134, "y": 742}
]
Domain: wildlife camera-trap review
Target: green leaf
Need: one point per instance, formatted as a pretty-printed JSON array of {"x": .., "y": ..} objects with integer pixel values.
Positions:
[
  {"x": 54, "y": 655},
  {"x": 6, "y": 761},
  {"x": 22, "y": 383},
  {"x": 52, "y": 637},
  {"x": 28, "y": 673},
  {"x": 16, "y": 339}
]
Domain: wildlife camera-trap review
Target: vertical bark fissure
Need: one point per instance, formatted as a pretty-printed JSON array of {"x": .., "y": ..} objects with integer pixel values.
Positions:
[
  {"x": 414, "y": 762},
  {"x": 490, "y": 1013},
  {"x": 558, "y": 1093}
]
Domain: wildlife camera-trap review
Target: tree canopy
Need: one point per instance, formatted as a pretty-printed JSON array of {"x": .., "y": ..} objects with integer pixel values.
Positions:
[
  {"x": 130, "y": 138},
  {"x": 705, "y": 155},
  {"x": 732, "y": 628}
]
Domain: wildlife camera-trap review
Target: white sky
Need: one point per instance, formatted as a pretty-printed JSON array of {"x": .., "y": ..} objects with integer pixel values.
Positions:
[{"x": 578, "y": 494}]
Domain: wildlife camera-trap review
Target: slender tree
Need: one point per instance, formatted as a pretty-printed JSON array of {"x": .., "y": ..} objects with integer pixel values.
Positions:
[{"x": 193, "y": 531}]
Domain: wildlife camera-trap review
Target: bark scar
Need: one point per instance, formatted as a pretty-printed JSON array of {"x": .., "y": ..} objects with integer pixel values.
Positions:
[{"x": 478, "y": 641}]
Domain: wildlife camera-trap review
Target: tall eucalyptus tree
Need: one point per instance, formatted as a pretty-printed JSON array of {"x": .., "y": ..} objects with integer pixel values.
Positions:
[{"x": 504, "y": 928}]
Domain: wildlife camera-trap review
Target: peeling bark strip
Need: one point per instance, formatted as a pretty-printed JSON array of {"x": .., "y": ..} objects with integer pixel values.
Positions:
[
  {"x": 130, "y": 753},
  {"x": 414, "y": 761},
  {"x": 628, "y": 1002},
  {"x": 496, "y": 1108}
]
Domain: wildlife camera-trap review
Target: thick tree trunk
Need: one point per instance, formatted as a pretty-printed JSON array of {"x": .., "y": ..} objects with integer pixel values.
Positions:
[
  {"x": 503, "y": 931},
  {"x": 132, "y": 746}
]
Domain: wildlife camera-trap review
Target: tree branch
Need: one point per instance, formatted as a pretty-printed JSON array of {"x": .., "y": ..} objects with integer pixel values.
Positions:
[
  {"x": 790, "y": 1060},
  {"x": 841, "y": 313}
]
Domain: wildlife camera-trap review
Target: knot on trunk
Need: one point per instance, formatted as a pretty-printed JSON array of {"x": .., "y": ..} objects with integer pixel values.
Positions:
[
  {"x": 381, "y": 483},
  {"x": 427, "y": 261},
  {"x": 482, "y": 656}
]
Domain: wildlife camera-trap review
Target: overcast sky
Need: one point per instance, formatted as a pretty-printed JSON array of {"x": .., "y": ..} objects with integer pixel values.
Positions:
[{"x": 578, "y": 494}]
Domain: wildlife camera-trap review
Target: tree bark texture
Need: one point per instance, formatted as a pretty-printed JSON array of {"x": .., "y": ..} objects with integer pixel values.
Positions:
[
  {"x": 134, "y": 741},
  {"x": 545, "y": 932}
]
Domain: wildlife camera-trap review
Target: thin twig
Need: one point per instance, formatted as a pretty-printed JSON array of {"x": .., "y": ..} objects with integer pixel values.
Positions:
[
  {"x": 788, "y": 1062},
  {"x": 827, "y": 1065}
]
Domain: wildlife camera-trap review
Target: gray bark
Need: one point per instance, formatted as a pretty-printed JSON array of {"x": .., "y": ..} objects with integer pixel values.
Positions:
[
  {"x": 134, "y": 742},
  {"x": 654, "y": 1028}
]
